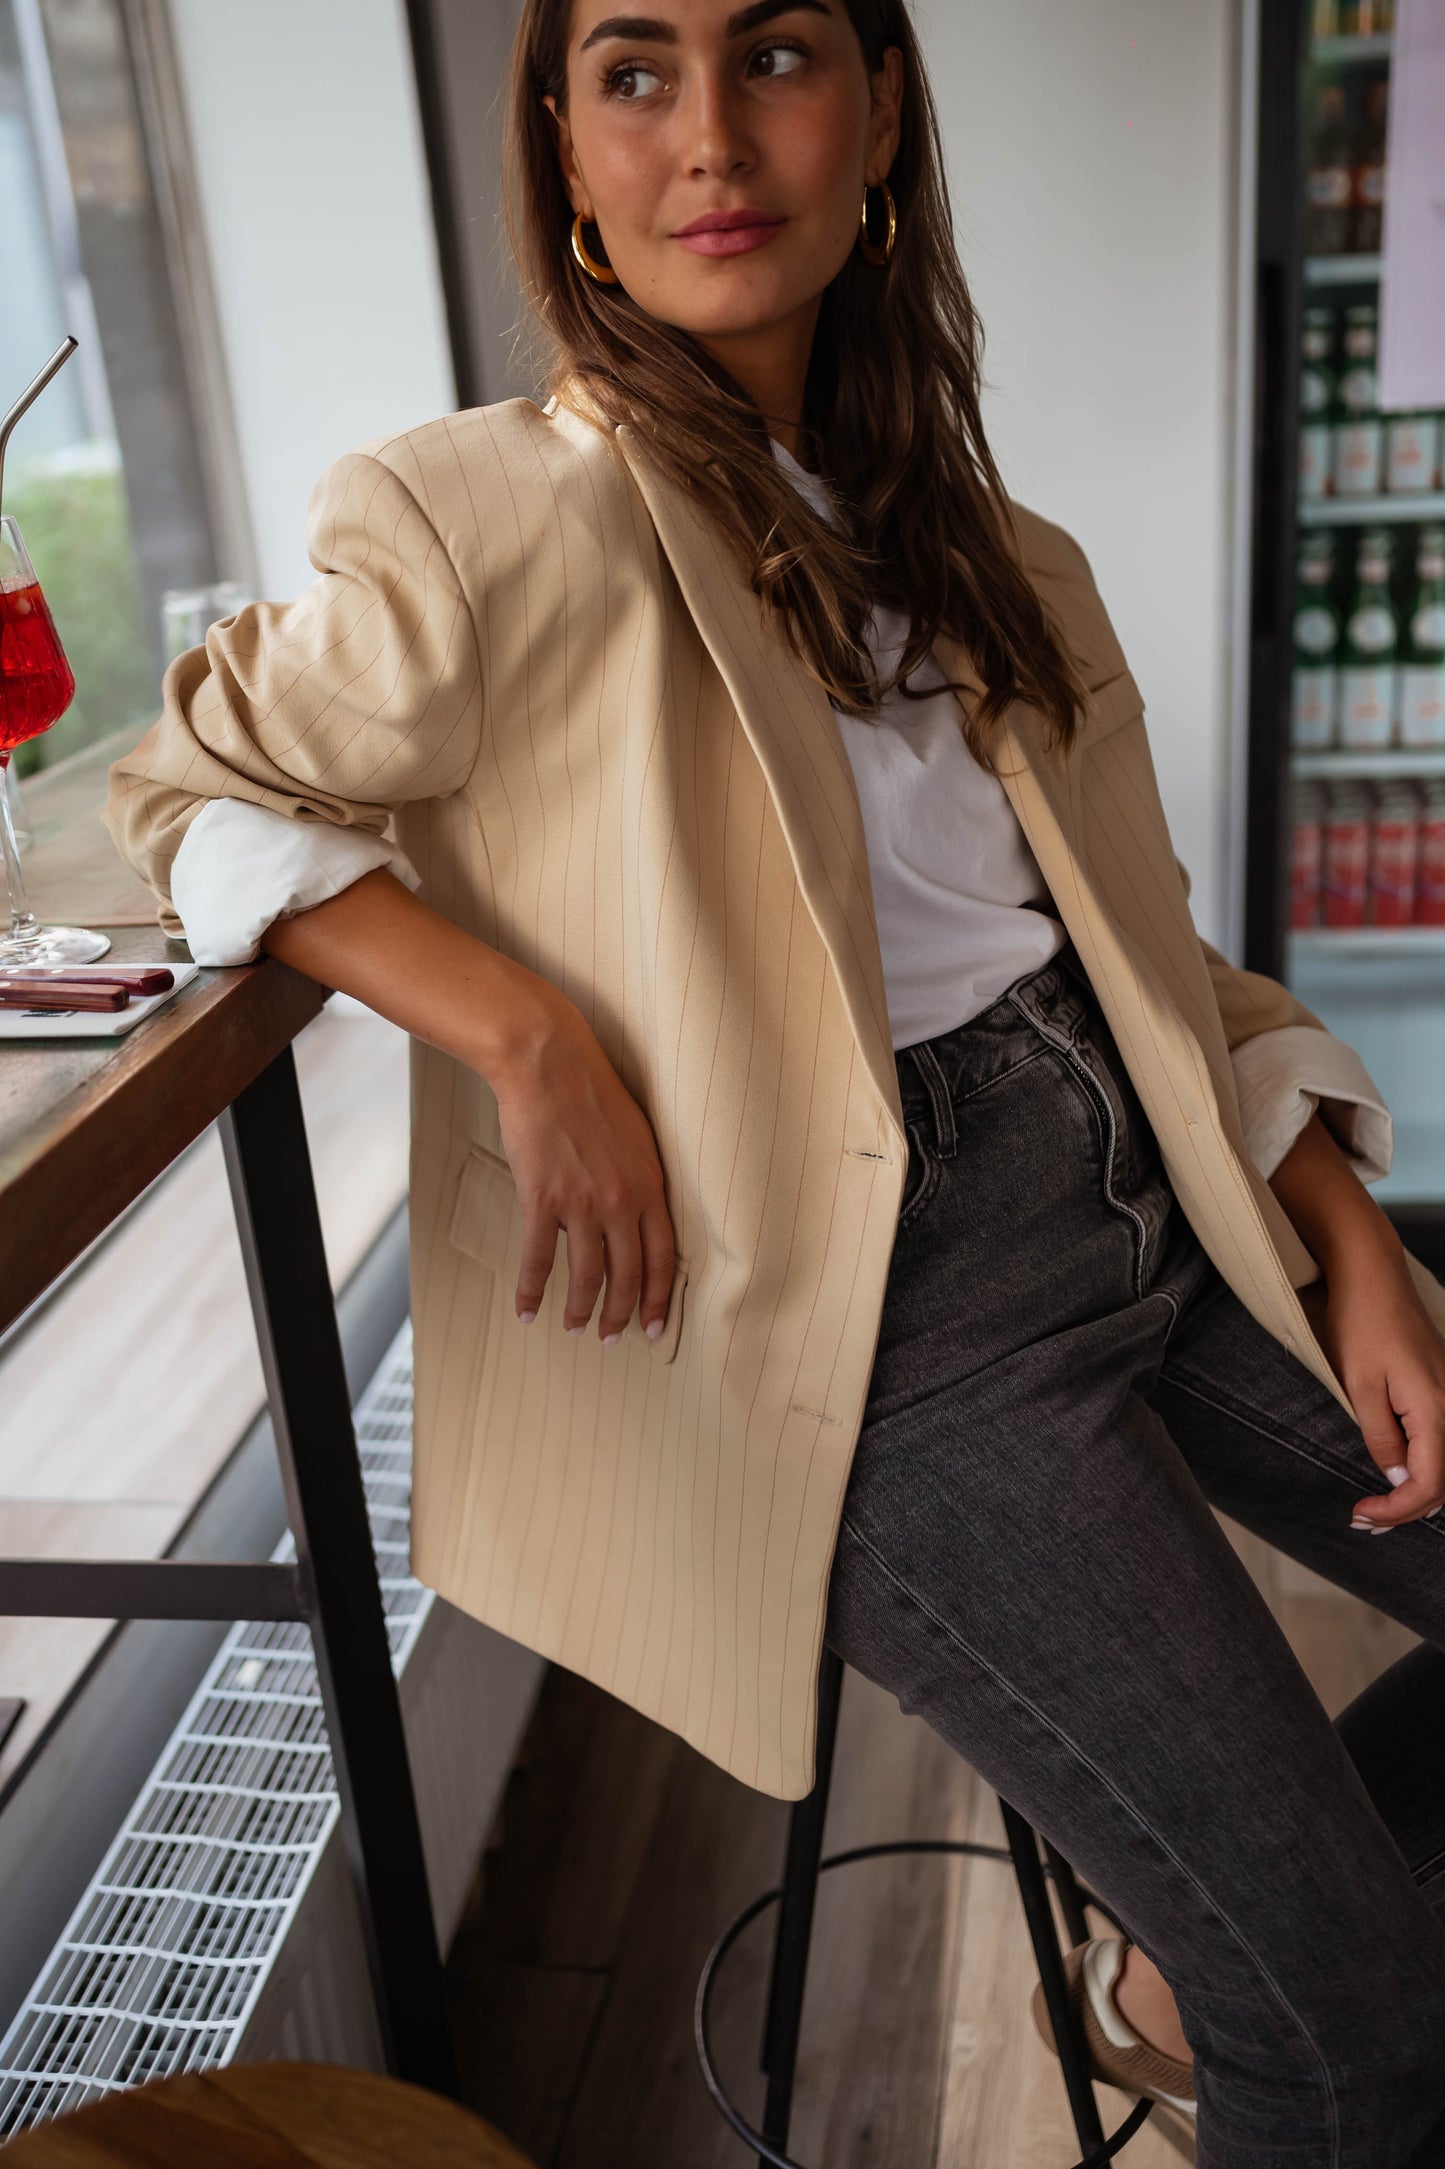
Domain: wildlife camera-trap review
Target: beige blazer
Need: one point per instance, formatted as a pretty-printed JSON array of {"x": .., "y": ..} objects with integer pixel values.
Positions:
[{"x": 527, "y": 645}]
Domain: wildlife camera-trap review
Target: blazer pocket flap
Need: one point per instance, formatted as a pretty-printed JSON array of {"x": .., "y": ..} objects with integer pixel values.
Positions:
[
  {"x": 1115, "y": 702},
  {"x": 485, "y": 1206}
]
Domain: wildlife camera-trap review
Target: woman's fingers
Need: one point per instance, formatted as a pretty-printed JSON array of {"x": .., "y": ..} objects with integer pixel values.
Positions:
[
  {"x": 539, "y": 1252},
  {"x": 623, "y": 1247},
  {"x": 1403, "y": 1422},
  {"x": 586, "y": 1264},
  {"x": 659, "y": 1264}
]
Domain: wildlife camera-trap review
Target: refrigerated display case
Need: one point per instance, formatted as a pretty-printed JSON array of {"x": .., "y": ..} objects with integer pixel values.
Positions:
[{"x": 1345, "y": 838}]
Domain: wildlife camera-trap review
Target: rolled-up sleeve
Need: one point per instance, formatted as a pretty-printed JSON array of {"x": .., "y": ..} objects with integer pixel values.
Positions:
[
  {"x": 241, "y": 867},
  {"x": 328, "y": 712},
  {"x": 1282, "y": 1076}
]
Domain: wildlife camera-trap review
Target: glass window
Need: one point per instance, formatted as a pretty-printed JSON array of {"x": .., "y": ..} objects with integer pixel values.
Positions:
[{"x": 103, "y": 472}]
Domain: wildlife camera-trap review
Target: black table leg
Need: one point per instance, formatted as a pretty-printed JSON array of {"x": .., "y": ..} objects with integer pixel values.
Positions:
[{"x": 264, "y": 1136}]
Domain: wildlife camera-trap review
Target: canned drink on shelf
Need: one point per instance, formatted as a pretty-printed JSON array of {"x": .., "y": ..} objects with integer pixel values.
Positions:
[
  {"x": 1430, "y": 872},
  {"x": 1394, "y": 848},
  {"x": 1307, "y": 852},
  {"x": 1346, "y": 871}
]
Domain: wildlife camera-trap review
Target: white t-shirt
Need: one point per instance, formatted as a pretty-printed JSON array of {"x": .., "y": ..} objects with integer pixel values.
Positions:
[{"x": 961, "y": 906}]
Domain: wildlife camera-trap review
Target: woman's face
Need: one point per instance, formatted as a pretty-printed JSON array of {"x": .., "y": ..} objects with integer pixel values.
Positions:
[{"x": 708, "y": 107}]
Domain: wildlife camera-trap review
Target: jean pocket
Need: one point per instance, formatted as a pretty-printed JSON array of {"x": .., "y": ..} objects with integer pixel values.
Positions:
[{"x": 921, "y": 1178}]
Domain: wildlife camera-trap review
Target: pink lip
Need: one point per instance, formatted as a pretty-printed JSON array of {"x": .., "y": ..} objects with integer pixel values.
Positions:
[{"x": 728, "y": 233}]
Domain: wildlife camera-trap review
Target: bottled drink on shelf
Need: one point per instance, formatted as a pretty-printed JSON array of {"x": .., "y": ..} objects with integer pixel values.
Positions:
[
  {"x": 1367, "y": 191},
  {"x": 1307, "y": 855},
  {"x": 1413, "y": 452},
  {"x": 1345, "y": 882},
  {"x": 1325, "y": 19},
  {"x": 1394, "y": 849},
  {"x": 1430, "y": 874},
  {"x": 1314, "y": 689},
  {"x": 1366, "y": 18},
  {"x": 1370, "y": 650},
  {"x": 1329, "y": 198},
  {"x": 1317, "y": 401},
  {"x": 1422, "y": 648},
  {"x": 1359, "y": 434}
]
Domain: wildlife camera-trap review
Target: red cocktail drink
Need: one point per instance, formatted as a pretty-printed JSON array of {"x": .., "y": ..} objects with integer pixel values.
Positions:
[{"x": 37, "y": 684}]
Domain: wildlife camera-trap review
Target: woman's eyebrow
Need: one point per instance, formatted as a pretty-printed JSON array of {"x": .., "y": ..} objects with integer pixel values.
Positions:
[{"x": 658, "y": 32}]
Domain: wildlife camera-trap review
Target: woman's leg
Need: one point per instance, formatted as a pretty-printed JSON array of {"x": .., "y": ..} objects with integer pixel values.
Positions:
[
  {"x": 1273, "y": 1449},
  {"x": 1027, "y": 1560}
]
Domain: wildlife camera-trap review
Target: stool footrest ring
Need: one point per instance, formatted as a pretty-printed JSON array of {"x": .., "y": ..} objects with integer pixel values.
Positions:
[{"x": 1094, "y": 2159}]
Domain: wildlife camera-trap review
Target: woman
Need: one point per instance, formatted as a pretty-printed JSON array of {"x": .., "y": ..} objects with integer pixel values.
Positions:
[{"x": 945, "y": 1198}]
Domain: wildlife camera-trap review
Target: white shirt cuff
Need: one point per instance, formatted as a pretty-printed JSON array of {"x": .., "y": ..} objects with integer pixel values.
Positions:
[
  {"x": 241, "y": 867},
  {"x": 1283, "y": 1075}
]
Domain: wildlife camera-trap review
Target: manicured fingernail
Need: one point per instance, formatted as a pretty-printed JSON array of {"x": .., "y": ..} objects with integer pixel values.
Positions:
[
  {"x": 610, "y": 1340},
  {"x": 1359, "y": 1523},
  {"x": 577, "y": 1328},
  {"x": 654, "y": 1327},
  {"x": 1398, "y": 1475},
  {"x": 526, "y": 1316}
]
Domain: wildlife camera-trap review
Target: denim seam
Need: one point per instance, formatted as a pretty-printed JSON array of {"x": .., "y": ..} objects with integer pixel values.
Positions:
[
  {"x": 1106, "y": 1123},
  {"x": 961, "y": 1098},
  {"x": 1282, "y": 1437},
  {"x": 1139, "y": 1821}
]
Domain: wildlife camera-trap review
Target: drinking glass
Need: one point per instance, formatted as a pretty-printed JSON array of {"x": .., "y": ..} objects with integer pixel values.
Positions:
[{"x": 37, "y": 685}]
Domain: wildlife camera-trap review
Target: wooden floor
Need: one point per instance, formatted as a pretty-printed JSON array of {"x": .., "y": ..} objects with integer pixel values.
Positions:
[{"x": 621, "y": 1854}]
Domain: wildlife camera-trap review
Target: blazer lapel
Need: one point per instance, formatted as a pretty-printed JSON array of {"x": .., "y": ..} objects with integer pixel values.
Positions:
[{"x": 789, "y": 723}]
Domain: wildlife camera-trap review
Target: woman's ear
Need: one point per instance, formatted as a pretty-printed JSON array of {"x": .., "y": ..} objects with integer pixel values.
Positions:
[
  {"x": 566, "y": 156},
  {"x": 884, "y": 126}
]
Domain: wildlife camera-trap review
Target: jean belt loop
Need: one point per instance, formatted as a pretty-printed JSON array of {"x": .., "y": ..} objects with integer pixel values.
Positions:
[{"x": 930, "y": 1069}]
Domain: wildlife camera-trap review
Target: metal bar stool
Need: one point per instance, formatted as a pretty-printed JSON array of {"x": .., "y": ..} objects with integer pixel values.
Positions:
[{"x": 795, "y": 1898}]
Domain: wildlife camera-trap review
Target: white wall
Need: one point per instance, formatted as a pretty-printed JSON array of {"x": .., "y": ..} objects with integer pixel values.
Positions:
[
  {"x": 1091, "y": 157},
  {"x": 313, "y": 190}
]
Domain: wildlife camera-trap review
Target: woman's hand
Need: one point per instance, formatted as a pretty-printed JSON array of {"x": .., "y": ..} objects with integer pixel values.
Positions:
[
  {"x": 580, "y": 1147},
  {"x": 1391, "y": 1362},
  {"x": 585, "y": 1160},
  {"x": 1379, "y": 1338}
]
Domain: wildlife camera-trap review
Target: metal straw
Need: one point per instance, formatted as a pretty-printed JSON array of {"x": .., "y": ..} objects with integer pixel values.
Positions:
[{"x": 31, "y": 393}]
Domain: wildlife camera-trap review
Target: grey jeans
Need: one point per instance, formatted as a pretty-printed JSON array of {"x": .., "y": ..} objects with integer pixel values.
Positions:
[{"x": 1027, "y": 1559}]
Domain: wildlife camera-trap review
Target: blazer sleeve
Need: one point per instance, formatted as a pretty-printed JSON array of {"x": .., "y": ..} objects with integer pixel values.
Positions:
[
  {"x": 364, "y": 692},
  {"x": 1286, "y": 1062}
]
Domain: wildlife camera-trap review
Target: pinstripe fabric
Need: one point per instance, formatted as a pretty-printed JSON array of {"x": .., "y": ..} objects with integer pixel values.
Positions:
[{"x": 527, "y": 645}]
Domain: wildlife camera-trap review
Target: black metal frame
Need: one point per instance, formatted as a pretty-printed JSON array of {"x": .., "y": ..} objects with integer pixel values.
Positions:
[
  {"x": 795, "y": 1900},
  {"x": 333, "y": 1586}
]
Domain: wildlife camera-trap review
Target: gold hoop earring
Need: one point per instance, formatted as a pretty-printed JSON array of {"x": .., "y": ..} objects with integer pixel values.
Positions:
[
  {"x": 601, "y": 274},
  {"x": 871, "y": 250}
]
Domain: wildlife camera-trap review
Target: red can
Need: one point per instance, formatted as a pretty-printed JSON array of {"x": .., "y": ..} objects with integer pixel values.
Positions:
[
  {"x": 1394, "y": 848},
  {"x": 1430, "y": 882},
  {"x": 1306, "y": 859},
  {"x": 1347, "y": 860}
]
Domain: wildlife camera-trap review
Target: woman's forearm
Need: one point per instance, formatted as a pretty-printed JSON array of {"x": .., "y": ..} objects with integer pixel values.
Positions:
[
  {"x": 379, "y": 942},
  {"x": 1333, "y": 1213}
]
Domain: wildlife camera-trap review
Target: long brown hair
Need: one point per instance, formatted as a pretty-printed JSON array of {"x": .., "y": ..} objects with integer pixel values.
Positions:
[{"x": 891, "y": 410}]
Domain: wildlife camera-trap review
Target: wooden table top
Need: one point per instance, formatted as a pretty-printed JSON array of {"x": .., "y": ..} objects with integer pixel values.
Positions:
[
  {"x": 268, "y": 2116},
  {"x": 86, "y": 1124}
]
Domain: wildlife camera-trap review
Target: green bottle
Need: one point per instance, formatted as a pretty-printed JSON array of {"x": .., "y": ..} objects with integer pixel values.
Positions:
[
  {"x": 1422, "y": 660},
  {"x": 1315, "y": 684},
  {"x": 1371, "y": 647}
]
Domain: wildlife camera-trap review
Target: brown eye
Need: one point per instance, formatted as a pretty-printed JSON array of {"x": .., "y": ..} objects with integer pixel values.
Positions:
[{"x": 796, "y": 50}]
